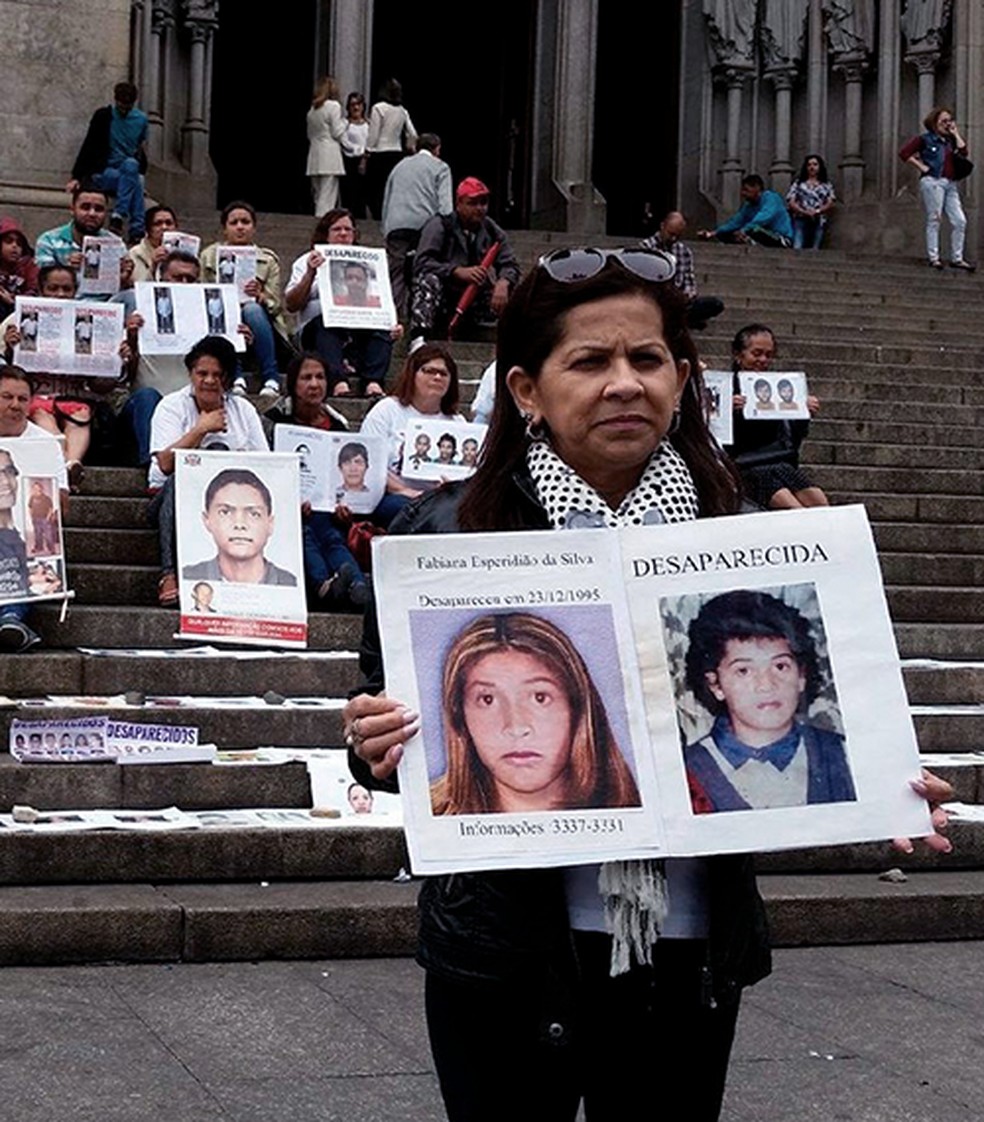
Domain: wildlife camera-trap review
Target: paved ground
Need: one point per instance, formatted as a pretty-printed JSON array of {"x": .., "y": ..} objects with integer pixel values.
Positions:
[{"x": 852, "y": 1034}]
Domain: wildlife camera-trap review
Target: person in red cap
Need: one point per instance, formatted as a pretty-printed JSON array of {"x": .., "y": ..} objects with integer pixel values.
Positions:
[
  {"x": 18, "y": 272},
  {"x": 449, "y": 259}
]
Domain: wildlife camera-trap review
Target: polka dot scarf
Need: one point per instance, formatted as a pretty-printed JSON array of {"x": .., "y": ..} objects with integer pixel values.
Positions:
[{"x": 634, "y": 892}]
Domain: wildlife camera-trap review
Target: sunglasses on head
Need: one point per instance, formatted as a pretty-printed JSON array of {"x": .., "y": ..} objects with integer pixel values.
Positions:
[{"x": 571, "y": 265}]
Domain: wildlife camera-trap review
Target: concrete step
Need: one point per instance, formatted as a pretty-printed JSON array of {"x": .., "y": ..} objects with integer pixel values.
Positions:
[
  {"x": 885, "y": 480},
  {"x": 131, "y": 547},
  {"x": 129, "y": 626},
  {"x": 949, "y": 509},
  {"x": 940, "y": 640},
  {"x": 945, "y": 684},
  {"x": 849, "y": 352},
  {"x": 205, "y": 922},
  {"x": 869, "y": 454},
  {"x": 113, "y": 584},
  {"x": 65, "y": 672},
  {"x": 199, "y": 786},
  {"x": 832, "y": 385},
  {"x": 858, "y": 908},
  {"x": 96, "y": 511},
  {"x": 949, "y": 728},
  {"x": 900, "y": 433},
  {"x": 114, "y": 481},
  {"x": 928, "y": 537},
  {"x": 223, "y": 725},
  {"x": 921, "y": 603},
  {"x": 918, "y": 568}
]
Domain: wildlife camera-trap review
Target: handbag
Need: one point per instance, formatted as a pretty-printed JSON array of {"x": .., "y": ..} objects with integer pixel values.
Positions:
[
  {"x": 962, "y": 167},
  {"x": 359, "y": 541}
]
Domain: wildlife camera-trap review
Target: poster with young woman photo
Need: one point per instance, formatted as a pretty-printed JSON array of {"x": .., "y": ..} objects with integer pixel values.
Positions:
[
  {"x": 442, "y": 450},
  {"x": 774, "y": 395},
  {"x": 516, "y": 652}
]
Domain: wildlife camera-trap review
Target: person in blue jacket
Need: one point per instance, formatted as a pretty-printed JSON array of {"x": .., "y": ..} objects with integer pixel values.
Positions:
[{"x": 763, "y": 218}]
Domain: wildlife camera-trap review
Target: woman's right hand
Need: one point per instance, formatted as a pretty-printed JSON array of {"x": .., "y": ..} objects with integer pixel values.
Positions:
[
  {"x": 315, "y": 261},
  {"x": 376, "y": 728}
]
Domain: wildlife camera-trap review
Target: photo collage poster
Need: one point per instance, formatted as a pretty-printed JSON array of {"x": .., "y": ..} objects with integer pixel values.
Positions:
[
  {"x": 69, "y": 336},
  {"x": 717, "y": 404},
  {"x": 99, "y": 274},
  {"x": 442, "y": 449},
  {"x": 176, "y": 316},
  {"x": 354, "y": 287},
  {"x": 32, "y": 550},
  {"x": 774, "y": 395},
  {"x": 175, "y": 241},
  {"x": 758, "y": 703},
  {"x": 240, "y": 566},
  {"x": 336, "y": 468}
]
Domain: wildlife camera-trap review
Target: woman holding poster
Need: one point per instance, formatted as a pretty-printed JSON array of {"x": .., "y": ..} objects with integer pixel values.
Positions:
[{"x": 575, "y": 983}]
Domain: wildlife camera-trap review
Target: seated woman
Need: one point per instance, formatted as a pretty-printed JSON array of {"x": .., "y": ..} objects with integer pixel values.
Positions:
[
  {"x": 333, "y": 575},
  {"x": 148, "y": 254},
  {"x": 427, "y": 389},
  {"x": 202, "y": 415},
  {"x": 767, "y": 452},
  {"x": 63, "y": 404},
  {"x": 346, "y": 350},
  {"x": 262, "y": 312}
]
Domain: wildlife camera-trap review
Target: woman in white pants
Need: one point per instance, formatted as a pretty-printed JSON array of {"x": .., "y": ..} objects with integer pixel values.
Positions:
[
  {"x": 325, "y": 127},
  {"x": 940, "y": 156}
]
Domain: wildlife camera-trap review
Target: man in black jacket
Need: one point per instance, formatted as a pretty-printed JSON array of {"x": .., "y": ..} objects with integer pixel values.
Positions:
[{"x": 114, "y": 158}]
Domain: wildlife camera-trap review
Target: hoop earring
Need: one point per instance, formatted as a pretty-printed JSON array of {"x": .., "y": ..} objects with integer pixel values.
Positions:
[
  {"x": 674, "y": 423},
  {"x": 535, "y": 430}
]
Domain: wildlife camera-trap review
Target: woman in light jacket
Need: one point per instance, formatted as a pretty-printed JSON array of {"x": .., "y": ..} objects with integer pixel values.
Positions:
[
  {"x": 391, "y": 133},
  {"x": 325, "y": 127}
]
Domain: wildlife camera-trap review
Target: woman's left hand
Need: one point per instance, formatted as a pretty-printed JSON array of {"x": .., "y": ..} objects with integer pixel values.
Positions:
[
  {"x": 254, "y": 289},
  {"x": 935, "y": 791}
]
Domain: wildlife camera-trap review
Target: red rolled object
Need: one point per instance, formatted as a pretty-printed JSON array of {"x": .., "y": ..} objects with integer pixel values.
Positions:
[{"x": 466, "y": 298}]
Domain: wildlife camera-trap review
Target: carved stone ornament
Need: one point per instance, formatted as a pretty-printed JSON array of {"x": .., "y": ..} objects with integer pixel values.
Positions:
[
  {"x": 850, "y": 26},
  {"x": 204, "y": 13},
  {"x": 783, "y": 32},
  {"x": 731, "y": 32},
  {"x": 924, "y": 23},
  {"x": 162, "y": 14}
]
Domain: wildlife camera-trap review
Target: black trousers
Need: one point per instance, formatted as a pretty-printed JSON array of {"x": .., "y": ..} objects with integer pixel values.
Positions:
[{"x": 631, "y": 1047}]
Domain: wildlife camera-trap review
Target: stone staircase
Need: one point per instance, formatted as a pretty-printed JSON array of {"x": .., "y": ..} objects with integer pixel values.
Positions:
[{"x": 900, "y": 431}]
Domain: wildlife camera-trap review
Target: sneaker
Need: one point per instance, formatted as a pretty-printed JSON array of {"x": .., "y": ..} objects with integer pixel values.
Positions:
[
  {"x": 15, "y": 636},
  {"x": 239, "y": 387},
  {"x": 270, "y": 389},
  {"x": 359, "y": 595},
  {"x": 967, "y": 266},
  {"x": 936, "y": 264},
  {"x": 167, "y": 590}
]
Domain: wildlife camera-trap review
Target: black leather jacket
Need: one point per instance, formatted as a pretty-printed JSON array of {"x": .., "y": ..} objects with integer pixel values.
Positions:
[{"x": 513, "y": 924}]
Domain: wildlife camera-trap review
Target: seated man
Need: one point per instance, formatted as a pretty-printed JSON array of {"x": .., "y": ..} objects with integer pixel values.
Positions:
[
  {"x": 202, "y": 415},
  {"x": 113, "y": 155},
  {"x": 669, "y": 239},
  {"x": 15, "y": 394},
  {"x": 763, "y": 218},
  {"x": 63, "y": 244},
  {"x": 449, "y": 259}
]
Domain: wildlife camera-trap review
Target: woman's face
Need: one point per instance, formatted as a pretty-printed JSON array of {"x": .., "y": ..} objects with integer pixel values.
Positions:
[
  {"x": 445, "y": 451},
  {"x": 812, "y": 166},
  {"x": 760, "y": 682},
  {"x": 356, "y": 110},
  {"x": 342, "y": 232},
  {"x": 430, "y": 384},
  {"x": 518, "y": 717},
  {"x": 312, "y": 383},
  {"x": 206, "y": 383},
  {"x": 758, "y": 352},
  {"x": 240, "y": 228},
  {"x": 608, "y": 390}
]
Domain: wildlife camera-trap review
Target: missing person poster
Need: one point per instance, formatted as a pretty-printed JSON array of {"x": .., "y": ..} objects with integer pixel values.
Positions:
[
  {"x": 236, "y": 265},
  {"x": 32, "y": 552},
  {"x": 336, "y": 468},
  {"x": 442, "y": 450},
  {"x": 175, "y": 241},
  {"x": 354, "y": 287},
  {"x": 695, "y": 688},
  {"x": 239, "y": 548},
  {"x": 176, "y": 316},
  {"x": 717, "y": 404},
  {"x": 100, "y": 272},
  {"x": 69, "y": 336},
  {"x": 91, "y": 739},
  {"x": 774, "y": 395}
]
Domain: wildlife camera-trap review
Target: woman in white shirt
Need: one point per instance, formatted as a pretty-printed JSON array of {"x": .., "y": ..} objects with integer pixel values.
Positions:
[
  {"x": 354, "y": 142},
  {"x": 325, "y": 128},
  {"x": 391, "y": 133}
]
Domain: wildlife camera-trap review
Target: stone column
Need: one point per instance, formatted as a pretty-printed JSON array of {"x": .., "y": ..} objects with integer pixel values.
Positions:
[
  {"x": 350, "y": 47},
  {"x": 968, "y": 62},
  {"x": 731, "y": 167},
  {"x": 852, "y": 65},
  {"x": 925, "y": 63},
  {"x": 155, "y": 78},
  {"x": 574, "y": 83},
  {"x": 888, "y": 98},
  {"x": 816, "y": 81},
  {"x": 139, "y": 21},
  {"x": 781, "y": 171},
  {"x": 201, "y": 20}
]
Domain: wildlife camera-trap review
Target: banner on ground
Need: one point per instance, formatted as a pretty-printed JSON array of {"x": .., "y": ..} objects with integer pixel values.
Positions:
[
  {"x": 90, "y": 739},
  {"x": 68, "y": 336},
  {"x": 354, "y": 287},
  {"x": 176, "y": 316},
  {"x": 239, "y": 547},
  {"x": 336, "y": 468},
  {"x": 718, "y": 686}
]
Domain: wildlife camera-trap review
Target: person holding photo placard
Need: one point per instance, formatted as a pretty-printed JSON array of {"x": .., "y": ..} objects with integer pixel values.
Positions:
[
  {"x": 262, "y": 312},
  {"x": 564, "y": 977}
]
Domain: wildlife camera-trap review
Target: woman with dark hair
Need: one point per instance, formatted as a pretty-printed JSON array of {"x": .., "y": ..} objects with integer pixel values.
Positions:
[
  {"x": 940, "y": 156},
  {"x": 354, "y": 141},
  {"x": 427, "y": 390},
  {"x": 752, "y": 663},
  {"x": 767, "y": 452},
  {"x": 262, "y": 311},
  {"x": 344, "y": 349},
  {"x": 391, "y": 133},
  {"x": 810, "y": 199},
  {"x": 325, "y": 128},
  {"x": 305, "y": 401},
  {"x": 598, "y": 409}
]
